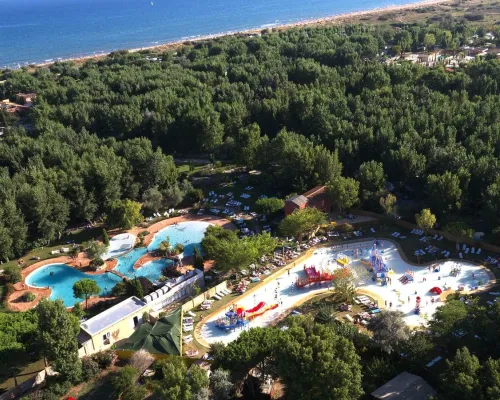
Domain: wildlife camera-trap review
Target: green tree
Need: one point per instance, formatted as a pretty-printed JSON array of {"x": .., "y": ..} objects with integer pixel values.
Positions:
[
  {"x": 221, "y": 385},
  {"x": 302, "y": 222},
  {"x": 344, "y": 285},
  {"x": 95, "y": 249},
  {"x": 198, "y": 259},
  {"x": 461, "y": 378},
  {"x": 429, "y": 41},
  {"x": 310, "y": 350},
  {"x": 459, "y": 230},
  {"x": 85, "y": 288},
  {"x": 105, "y": 238},
  {"x": 425, "y": 220},
  {"x": 177, "y": 382},
  {"x": 344, "y": 192},
  {"x": 389, "y": 330},
  {"x": 152, "y": 199},
  {"x": 490, "y": 379},
  {"x": 232, "y": 253},
  {"x": 77, "y": 311},
  {"x": 449, "y": 318},
  {"x": 444, "y": 192},
  {"x": 57, "y": 338},
  {"x": 256, "y": 347},
  {"x": 269, "y": 206},
  {"x": 124, "y": 214},
  {"x": 371, "y": 177},
  {"x": 492, "y": 199},
  {"x": 124, "y": 380},
  {"x": 389, "y": 204}
]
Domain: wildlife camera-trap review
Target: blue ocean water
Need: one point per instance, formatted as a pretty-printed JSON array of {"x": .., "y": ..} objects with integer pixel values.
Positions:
[
  {"x": 61, "y": 278},
  {"x": 43, "y": 30}
]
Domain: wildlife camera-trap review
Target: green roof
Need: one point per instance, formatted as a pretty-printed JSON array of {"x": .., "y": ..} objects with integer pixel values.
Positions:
[{"x": 164, "y": 337}]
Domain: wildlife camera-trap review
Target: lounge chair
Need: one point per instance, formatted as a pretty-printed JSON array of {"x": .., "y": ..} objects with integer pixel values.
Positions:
[{"x": 479, "y": 251}]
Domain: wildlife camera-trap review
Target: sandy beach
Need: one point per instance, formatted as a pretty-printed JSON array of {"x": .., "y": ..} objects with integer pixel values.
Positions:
[{"x": 345, "y": 18}]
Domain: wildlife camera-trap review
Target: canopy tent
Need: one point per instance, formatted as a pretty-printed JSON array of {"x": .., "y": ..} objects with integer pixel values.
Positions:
[
  {"x": 436, "y": 290},
  {"x": 164, "y": 337}
]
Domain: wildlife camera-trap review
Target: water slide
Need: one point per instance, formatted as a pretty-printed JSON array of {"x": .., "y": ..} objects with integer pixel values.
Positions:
[{"x": 261, "y": 311}]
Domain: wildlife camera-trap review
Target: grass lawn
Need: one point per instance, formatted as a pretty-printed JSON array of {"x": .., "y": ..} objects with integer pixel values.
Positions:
[
  {"x": 95, "y": 389},
  {"x": 77, "y": 236},
  {"x": 26, "y": 373}
]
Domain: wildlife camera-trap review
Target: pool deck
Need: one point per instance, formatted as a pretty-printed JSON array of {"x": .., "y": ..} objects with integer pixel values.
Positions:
[{"x": 205, "y": 332}]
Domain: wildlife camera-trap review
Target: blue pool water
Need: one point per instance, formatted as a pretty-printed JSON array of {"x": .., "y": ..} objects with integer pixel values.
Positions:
[
  {"x": 61, "y": 278},
  {"x": 189, "y": 234}
]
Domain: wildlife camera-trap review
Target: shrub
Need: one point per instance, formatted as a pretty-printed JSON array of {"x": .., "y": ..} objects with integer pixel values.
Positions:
[
  {"x": 96, "y": 262},
  {"x": 105, "y": 359},
  {"x": 474, "y": 17},
  {"x": 90, "y": 368},
  {"x": 345, "y": 228},
  {"x": 58, "y": 386},
  {"x": 28, "y": 297},
  {"x": 141, "y": 360},
  {"x": 120, "y": 289},
  {"x": 124, "y": 380},
  {"x": 12, "y": 274},
  {"x": 105, "y": 237},
  {"x": 179, "y": 247}
]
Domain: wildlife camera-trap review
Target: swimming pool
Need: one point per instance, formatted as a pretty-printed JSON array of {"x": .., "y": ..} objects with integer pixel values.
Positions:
[
  {"x": 61, "y": 277},
  {"x": 189, "y": 234},
  {"x": 151, "y": 270}
]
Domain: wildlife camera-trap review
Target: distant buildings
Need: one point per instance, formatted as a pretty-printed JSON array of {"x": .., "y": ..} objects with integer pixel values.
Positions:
[{"x": 24, "y": 101}]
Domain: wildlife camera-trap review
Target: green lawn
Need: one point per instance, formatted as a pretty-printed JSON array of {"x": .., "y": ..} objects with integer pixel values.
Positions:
[
  {"x": 77, "y": 236},
  {"x": 26, "y": 373}
]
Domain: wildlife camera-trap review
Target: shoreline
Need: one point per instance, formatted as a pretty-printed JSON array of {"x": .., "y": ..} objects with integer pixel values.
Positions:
[{"x": 311, "y": 22}]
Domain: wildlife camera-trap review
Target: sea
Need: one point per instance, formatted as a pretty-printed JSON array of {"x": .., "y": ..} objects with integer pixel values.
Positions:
[{"x": 37, "y": 31}]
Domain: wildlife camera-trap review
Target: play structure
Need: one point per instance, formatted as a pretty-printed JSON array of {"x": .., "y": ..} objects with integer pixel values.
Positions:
[
  {"x": 417, "y": 306},
  {"x": 313, "y": 276},
  {"x": 377, "y": 263},
  {"x": 238, "y": 317},
  {"x": 343, "y": 260},
  {"x": 407, "y": 277}
]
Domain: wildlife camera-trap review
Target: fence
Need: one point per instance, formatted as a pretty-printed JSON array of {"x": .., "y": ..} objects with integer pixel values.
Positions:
[
  {"x": 408, "y": 225},
  {"x": 23, "y": 387},
  {"x": 188, "y": 306}
]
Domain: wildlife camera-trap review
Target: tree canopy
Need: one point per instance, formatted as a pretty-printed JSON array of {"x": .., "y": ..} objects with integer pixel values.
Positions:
[
  {"x": 85, "y": 288},
  {"x": 302, "y": 222},
  {"x": 232, "y": 253}
]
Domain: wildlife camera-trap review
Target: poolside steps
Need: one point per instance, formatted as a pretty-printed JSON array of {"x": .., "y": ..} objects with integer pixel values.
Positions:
[{"x": 119, "y": 274}]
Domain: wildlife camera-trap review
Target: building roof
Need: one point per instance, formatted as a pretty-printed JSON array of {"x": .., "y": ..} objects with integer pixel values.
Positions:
[
  {"x": 113, "y": 315},
  {"x": 405, "y": 386},
  {"x": 164, "y": 337},
  {"x": 298, "y": 200},
  {"x": 315, "y": 191}
]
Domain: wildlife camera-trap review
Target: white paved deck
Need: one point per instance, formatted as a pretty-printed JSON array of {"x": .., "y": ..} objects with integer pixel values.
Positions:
[{"x": 288, "y": 295}]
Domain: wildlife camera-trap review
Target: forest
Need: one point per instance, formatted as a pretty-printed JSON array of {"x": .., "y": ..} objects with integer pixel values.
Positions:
[{"x": 305, "y": 106}]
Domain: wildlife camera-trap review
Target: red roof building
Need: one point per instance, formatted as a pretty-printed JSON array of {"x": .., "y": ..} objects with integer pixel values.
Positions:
[{"x": 316, "y": 197}]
